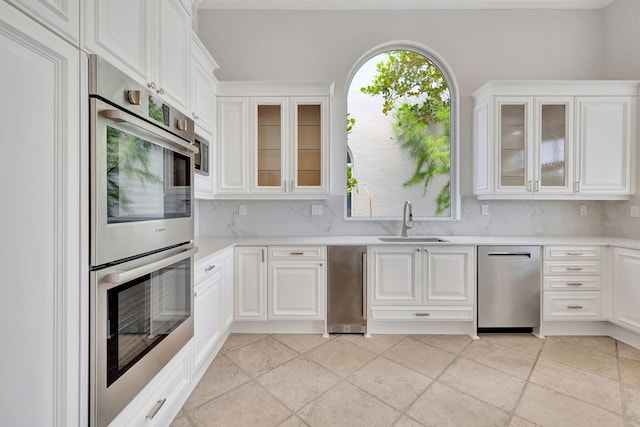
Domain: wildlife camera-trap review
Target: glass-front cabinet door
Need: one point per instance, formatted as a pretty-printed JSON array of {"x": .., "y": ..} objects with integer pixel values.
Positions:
[
  {"x": 309, "y": 145},
  {"x": 553, "y": 136},
  {"x": 514, "y": 149},
  {"x": 270, "y": 133}
]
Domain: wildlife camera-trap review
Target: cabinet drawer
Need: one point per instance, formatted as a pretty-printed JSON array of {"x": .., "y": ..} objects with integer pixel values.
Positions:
[
  {"x": 206, "y": 267},
  {"x": 572, "y": 252},
  {"x": 569, "y": 283},
  {"x": 424, "y": 314},
  {"x": 572, "y": 306},
  {"x": 311, "y": 253},
  {"x": 572, "y": 268}
]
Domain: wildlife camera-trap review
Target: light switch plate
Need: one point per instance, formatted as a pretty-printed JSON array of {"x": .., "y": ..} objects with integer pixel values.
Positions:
[
  {"x": 583, "y": 210},
  {"x": 634, "y": 212},
  {"x": 484, "y": 209},
  {"x": 242, "y": 210},
  {"x": 316, "y": 209}
]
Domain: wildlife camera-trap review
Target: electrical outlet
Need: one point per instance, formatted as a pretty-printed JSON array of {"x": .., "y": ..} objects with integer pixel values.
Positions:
[
  {"x": 484, "y": 209},
  {"x": 583, "y": 210},
  {"x": 242, "y": 210},
  {"x": 316, "y": 209},
  {"x": 634, "y": 211}
]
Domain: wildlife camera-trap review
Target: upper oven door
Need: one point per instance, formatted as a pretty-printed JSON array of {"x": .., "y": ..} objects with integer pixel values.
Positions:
[{"x": 142, "y": 186}]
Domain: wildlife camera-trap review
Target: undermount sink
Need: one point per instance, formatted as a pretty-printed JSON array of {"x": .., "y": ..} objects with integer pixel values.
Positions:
[{"x": 415, "y": 239}]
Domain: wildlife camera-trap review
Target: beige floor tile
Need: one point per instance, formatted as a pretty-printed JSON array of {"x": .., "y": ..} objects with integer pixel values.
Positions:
[
  {"x": 180, "y": 422},
  {"x": 293, "y": 422},
  {"x": 581, "y": 357},
  {"x": 631, "y": 397},
  {"x": 340, "y": 356},
  {"x": 451, "y": 343},
  {"x": 521, "y": 422},
  {"x": 301, "y": 342},
  {"x": 425, "y": 359},
  {"x": 502, "y": 358},
  {"x": 390, "y": 382},
  {"x": 552, "y": 409},
  {"x": 376, "y": 343},
  {"x": 598, "y": 344},
  {"x": 346, "y": 405},
  {"x": 298, "y": 382},
  {"x": 261, "y": 356},
  {"x": 247, "y": 405},
  {"x": 443, "y": 406},
  {"x": 484, "y": 383},
  {"x": 630, "y": 371},
  {"x": 222, "y": 376},
  {"x": 525, "y": 343},
  {"x": 580, "y": 384},
  {"x": 235, "y": 341},
  {"x": 407, "y": 422},
  {"x": 627, "y": 352}
]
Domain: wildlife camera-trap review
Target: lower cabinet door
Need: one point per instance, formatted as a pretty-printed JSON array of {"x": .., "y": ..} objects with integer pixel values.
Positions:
[
  {"x": 296, "y": 290},
  {"x": 207, "y": 304},
  {"x": 626, "y": 288}
]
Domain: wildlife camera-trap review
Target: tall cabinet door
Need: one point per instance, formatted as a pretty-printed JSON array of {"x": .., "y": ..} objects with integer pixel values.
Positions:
[
  {"x": 232, "y": 144},
  {"x": 553, "y": 142},
  {"x": 251, "y": 283},
  {"x": 42, "y": 357},
  {"x": 626, "y": 288},
  {"x": 514, "y": 153},
  {"x": 269, "y": 119},
  {"x": 604, "y": 149},
  {"x": 310, "y": 145}
]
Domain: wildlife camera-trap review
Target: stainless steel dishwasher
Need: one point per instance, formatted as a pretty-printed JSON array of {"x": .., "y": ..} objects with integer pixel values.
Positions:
[
  {"x": 347, "y": 289},
  {"x": 508, "y": 287}
]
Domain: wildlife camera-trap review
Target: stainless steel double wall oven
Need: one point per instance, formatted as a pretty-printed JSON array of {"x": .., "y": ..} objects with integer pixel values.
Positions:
[{"x": 142, "y": 165}]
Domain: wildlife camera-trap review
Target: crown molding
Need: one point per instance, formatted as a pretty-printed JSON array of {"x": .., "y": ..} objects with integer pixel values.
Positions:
[{"x": 401, "y": 4}]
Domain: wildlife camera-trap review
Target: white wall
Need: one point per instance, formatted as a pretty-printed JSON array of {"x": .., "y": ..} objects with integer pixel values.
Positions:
[{"x": 486, "y": 45}]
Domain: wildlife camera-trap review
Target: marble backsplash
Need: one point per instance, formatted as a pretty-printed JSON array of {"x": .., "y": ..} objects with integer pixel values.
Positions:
[
  {"x": 616, "y": 219},
  {"x": 506, "y": 218}
]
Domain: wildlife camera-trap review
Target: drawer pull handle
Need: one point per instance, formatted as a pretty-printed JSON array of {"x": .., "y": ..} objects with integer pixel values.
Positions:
[
  {"x": 575, "y": 307},
  {"x": 156, "y": 408},
  {"x": 574, "y": 268},
  {"x": 296, "y": 253},
  {"x": 423, "y": 314},
  {"x": 575, "y": 253},
  {"x": 209, "y": 268},
  {"x": 575, "y": 284}
]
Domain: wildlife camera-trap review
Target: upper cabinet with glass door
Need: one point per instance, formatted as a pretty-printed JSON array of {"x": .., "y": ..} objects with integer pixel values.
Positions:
[
  {"x": 525, "y": 140},
  {"x": 287, "y": 155}
]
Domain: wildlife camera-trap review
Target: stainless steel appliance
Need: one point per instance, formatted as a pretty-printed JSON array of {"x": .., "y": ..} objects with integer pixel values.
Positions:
[
  {"x": 347, "y": 289},
  {"x": 508, "y": 287},
  {"x": 141, "y": 273},
  {"x": 201, "y": 159},
  {"x": 141, "y": 168}
]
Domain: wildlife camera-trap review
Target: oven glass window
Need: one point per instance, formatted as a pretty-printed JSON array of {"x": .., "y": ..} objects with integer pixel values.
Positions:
[
  {"x": 144, "y": 180},
  {"x": 143, "y": 312}
]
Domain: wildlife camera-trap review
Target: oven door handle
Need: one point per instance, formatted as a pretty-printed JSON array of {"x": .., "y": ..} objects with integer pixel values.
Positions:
[
  {"x": 126, "y": 276},
  {"x": 122, "y": 117}
]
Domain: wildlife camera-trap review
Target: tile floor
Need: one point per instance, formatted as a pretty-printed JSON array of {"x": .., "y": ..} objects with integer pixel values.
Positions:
[{"x": 417, "y": 380}]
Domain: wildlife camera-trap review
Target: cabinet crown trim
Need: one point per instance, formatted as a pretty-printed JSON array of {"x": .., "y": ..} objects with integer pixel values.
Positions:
[
  {"x": 280, "y": 88},
  {"x": 557, "y": 88}
]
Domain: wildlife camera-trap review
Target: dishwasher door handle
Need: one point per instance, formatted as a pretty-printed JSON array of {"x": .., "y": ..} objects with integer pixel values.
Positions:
[{"x": 509, "y": 254}]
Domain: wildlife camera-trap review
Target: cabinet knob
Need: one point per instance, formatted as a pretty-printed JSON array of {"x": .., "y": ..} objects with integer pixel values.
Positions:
[
  {"x": 160, "y": 91},
  {"x": 151, "y": 85}
]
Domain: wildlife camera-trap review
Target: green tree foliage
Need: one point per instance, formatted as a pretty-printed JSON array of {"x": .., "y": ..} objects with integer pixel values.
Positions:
[
  {"x": 352, "y": 182},
  {"x": 417, "y": 95}
]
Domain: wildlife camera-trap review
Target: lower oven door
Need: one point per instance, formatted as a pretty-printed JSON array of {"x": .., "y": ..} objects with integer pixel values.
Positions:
[{"x": 142, "y": 315}]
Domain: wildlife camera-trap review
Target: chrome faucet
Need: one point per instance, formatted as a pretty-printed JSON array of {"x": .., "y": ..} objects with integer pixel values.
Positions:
[{"x": 407, "y": 223}]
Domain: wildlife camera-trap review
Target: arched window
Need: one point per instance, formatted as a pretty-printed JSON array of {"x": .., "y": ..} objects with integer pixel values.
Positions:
[{"x": 402, "y": 132}]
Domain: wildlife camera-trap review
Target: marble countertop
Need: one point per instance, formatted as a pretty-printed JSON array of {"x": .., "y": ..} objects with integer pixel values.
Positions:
[{"x": 211, "y": 245}]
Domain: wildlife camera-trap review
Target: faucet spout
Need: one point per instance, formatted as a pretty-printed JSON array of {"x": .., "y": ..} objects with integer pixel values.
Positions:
[{"x": 407, "y": 221}]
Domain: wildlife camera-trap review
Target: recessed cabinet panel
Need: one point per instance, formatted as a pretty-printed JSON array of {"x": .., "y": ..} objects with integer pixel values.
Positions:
[
  {"x": 449, "y": 275},
  {"x": 395, "y": 276},
  {"x": 310, "y": 144},
  {"x": 514, "y": 144},
  {"x": 553, "y": 146},
  {"x": 626, "y": 288},
  {"x": 233, "y": 119},
  {"x": 296, "y": 290}
]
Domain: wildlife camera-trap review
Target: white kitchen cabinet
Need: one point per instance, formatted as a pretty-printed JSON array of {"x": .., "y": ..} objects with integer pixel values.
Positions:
[
  {"x": 149, "y": 40},
  {"x": 204, "y": 165},
  {"x": 422, "y": 283},
  {"x": 208, "y": 300},
  {"x": 572, "y": 283},
  {"x": 228, "y": 286},
  {"x": 297, "y": 283},
  {"x": 63, "y": 17},
  {"x": 203, "y": 85},
  {"x": 279, "y": 147},
  {"x": 44, "y": 254},
  {"x": 554, "y": 140},
  {"x": 606, "y": 130},
  {"x": 250, "y": 273},
  {"x": 626, "y": 288}
]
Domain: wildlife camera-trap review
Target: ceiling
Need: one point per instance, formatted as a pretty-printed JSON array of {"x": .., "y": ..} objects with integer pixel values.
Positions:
[{"x": 401, "y": 4}]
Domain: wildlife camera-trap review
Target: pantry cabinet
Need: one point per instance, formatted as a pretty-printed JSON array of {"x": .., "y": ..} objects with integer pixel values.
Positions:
[
  {"x": 273, "y": 144},
  {"x": 149, "y": 40},
  {"x": 555, "y": 140},
  {"x": 626, "y": 288}
]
